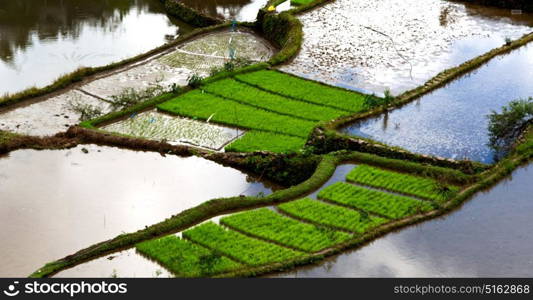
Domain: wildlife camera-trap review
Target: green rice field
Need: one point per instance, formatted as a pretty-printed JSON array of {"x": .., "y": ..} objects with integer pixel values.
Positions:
[
  {"x": 402, "y": 183},
  {"x": 279, "y": 110}
]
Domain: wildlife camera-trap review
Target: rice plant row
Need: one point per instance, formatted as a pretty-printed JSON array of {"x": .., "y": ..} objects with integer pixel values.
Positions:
[
  {"x": 385, "y": 204},
  {"x": 239, "y": 246},
  {"x": 402, "y": 183},
  {"x": 331, "y": 215},
  {"x": 306, "y": 90},
  {"x": 269, "y": 225},
  {"x": 261, "y": 140},
  {"x": 248, "y": 94},
  {"x": 186, "y": 259},
  {"x": 196, "y": 104}
]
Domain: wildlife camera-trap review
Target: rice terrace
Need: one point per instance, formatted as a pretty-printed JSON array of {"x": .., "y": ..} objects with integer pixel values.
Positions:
[{"x": 266, "y": 138}]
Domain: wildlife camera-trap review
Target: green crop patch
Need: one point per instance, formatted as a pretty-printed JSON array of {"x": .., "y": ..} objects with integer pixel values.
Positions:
[
  {"x": 402, "y": 183},
  {"x": 269, "y": 225},
  {"x": 186, "y": 259},
  {"x": 239, "y": 246},
  {"x": 305, "y": 90},
  {"x": 198, "y": 104},
  {"x": 301, "y": 2},
  {"x": 261, "y": 140},
  {"x": 331, "y": 215},
  {"x": 248, "y": 94},
  {"x": 385, "y": 204}
]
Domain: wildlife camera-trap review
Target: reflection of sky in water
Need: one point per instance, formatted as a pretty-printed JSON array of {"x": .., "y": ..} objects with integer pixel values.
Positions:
[
  {"x": 240, "y": 10},
  {"x": 85, "y": 40},
  {"x": 397, "y": 44},
  {"x": 490, "y": 237},
  {"x": 452, "y": 121},
  {"x": 75, "y": 200}
]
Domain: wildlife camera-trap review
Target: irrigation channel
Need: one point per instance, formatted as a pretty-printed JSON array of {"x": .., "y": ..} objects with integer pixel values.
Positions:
[
  {"x": 43, "y": 39},
  {"x": 488, "y": 237},
  {"x": 57, "y": 202},
  {"x": 452, "y": 121}
]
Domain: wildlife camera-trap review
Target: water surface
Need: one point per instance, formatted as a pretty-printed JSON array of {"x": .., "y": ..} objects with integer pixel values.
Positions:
[
  {"x": 43, "y": 39},
  {"x": 54, "y": 203},
  {"x": 452, "y": 121},
  {"x": 398, "y": 44},
  {"x": 490, "y": 236},
  {"x": 240, "y": 10}
]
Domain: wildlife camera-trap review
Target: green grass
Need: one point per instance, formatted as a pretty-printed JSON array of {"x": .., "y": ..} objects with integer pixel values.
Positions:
[
  {"x": 305, "y": 90},
  {"x": 6, "y": 136},
  {"x": 186, "y": 259},
  {"x": 196, "y": 104},
  {"x": 301, "y": 2},
  {"x": 248, "y": 94},
  {"x": 331, "y": 215},
  {"x": 385, "y": 204},
  {"x": 269, "y": 225},
  {"x": 261, "y": 140},
  {"x": 238, "y": 246},
  {"x": 406, "y": 184}
]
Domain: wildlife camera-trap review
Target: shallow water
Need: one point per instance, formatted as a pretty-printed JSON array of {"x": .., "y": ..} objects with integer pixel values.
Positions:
[
  {"x": 398, "y": 44},
  {"x": 158, "y": 126},
  {"x": 124, "y": 264},
  {"x": 240, "y": 10},
  {"x": 43, "y": 39},
  {"x": 490, "y": 236},
  {"x": 452, "y": 121},
  {"x": 197, "y": 56},
  {"x": 57, "y": 202}
]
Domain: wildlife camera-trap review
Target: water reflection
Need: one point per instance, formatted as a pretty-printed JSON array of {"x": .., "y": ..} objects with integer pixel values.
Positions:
[
  {"x": 241, "y": 10},
  {"x": 452, "y": 121},
  {"x": 54, "y": 203},
  {"x": 42, "y": 39},
  {"x": 398, "y": 44},
  {"x": 489, "y": 237}
]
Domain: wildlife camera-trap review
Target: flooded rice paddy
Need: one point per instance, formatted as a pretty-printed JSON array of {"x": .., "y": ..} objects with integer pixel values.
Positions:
[
  {"x": 175, "y": 130},
  {"x": 489, "y": 236},
  {"x": 176, "y": 66},
  {"x": 398, "y": 44},
  {"x": 55, "y": 203},
  {"x": 124, "y": 264},
  {"x": 43, "y": 39},
  {"x": 452, "y": 121},
  {"x": 240, "y": 10},
  {"x": 49, "y": 117}
]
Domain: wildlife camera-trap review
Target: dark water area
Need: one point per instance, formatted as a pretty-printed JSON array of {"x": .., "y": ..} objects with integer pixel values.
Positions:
[
  {"x": 490, "y": 236},
  {"x": 497, "y": 13},
  {"x": 452, "y": 121},
  {"x": 43, "y": 39},
  {"x": 54, "y": 203},
  {"x": 240, "y": 10}
]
